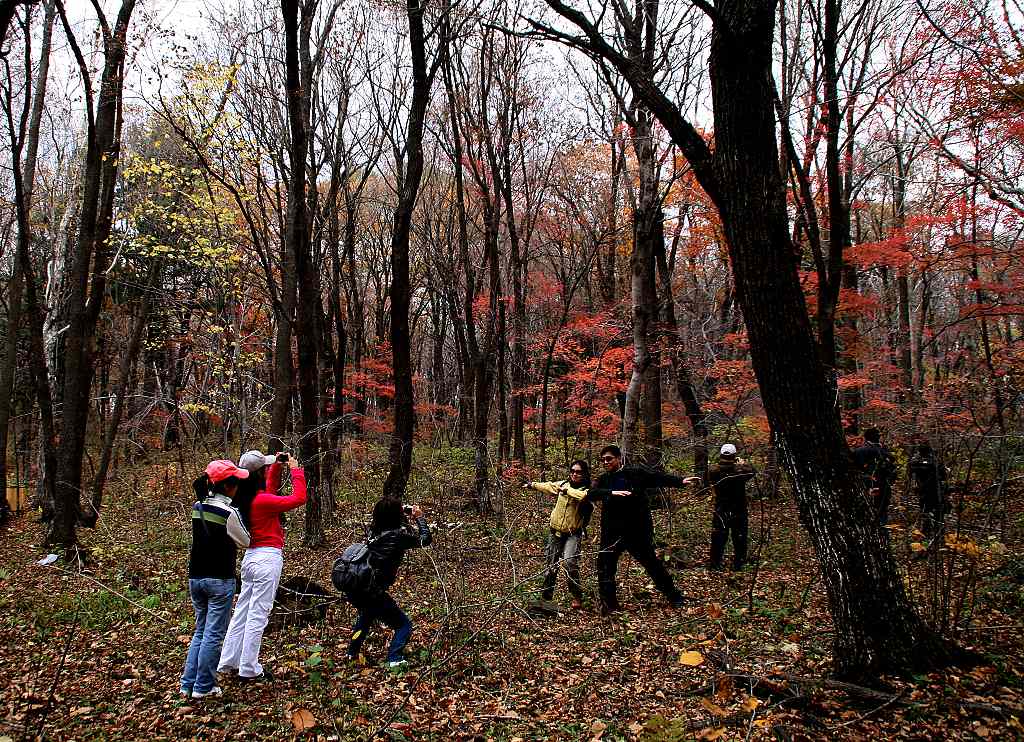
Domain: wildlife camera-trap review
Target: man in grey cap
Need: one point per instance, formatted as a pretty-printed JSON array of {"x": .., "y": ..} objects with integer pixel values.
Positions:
[{"x": 729, "y": 481}]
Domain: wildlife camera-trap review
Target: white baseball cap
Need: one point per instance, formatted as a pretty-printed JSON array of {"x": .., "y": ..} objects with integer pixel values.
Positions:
[
  {"x": 727, "y": 450},
  {"x": 255, "y": 460}
]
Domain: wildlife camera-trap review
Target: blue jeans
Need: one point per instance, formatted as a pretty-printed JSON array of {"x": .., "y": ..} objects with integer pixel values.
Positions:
[
  {"x": 379, "y": 607},
  {"x": 211, "y": 598}
]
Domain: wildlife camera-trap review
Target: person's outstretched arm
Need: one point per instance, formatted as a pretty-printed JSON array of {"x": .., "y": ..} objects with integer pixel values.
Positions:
[
  {"x": 664, "y": 479},
  {"x": 275, "y": 504},
  {"x": 548, "y": 488},
  {"x": 418, "y": 537}
]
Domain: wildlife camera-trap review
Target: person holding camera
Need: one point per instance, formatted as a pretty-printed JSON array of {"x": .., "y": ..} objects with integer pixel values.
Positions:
[
  {"x": 569, "y": 519},
  {"x": 391, "y": 535},
  {"x": 217, "y": 534},
  {"x": 263, "y": 560}
]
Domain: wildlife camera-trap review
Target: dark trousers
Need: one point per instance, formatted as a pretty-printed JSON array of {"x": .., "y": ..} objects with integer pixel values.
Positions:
[
  {"x": 729, "y": 518},
  {"x": 640, "y": 545},
  {"x": 379, "y": 607},
  {"x": 882, "y": 498},
  {"x": 933, "y": 515}
]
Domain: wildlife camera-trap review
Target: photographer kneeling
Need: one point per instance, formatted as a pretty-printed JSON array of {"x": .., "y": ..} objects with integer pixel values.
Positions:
[{"x": 391, "y": 535}]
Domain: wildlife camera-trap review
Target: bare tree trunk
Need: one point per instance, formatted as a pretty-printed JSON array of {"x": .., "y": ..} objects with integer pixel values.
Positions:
[
  {"x": 308, "y": 322},
  {"x": 90, "y": 252},
  {"x": 645, "y": 382},
  {"x": 400, "y": 453}
]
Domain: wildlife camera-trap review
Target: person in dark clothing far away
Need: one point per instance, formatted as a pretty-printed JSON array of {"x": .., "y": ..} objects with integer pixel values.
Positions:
[
  {"x": 390, "y": 537},
  {"x": 878, "y": 469},
  {"x": 626, "y": 525},
  {"x": 729, "y": 481},
  {"x": 218, "y": 531},
  {"x": 928, "y": 477}
]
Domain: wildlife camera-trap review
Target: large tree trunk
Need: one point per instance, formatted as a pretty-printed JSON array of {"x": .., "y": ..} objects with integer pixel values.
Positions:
[
  {"x": 90, "y": 254},
  {"x": 400, "y": 452},
  {"x": 308, "y": 321},
  {"x": 875, "y": 627}
]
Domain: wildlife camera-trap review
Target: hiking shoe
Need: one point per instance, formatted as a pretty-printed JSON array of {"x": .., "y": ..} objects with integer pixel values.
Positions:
[
  {"x": 608, "y": 609},
  {"x": 186, "y": 692},
  {"x": 263, "y": 677},
  {"x": 678, "y": 601},
  {"x": 214, "y": 691},
  {"x": 577, "y": 604}
]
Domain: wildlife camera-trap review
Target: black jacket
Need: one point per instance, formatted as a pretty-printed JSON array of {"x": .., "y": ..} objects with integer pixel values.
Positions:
[
  {"x": 635, "y": 479},
  {"x": 876, "y": 464},
  {"x": 929, "y": 477},
  {"x": 729, "y": 481},
  {"x": 387, "y": 550}
]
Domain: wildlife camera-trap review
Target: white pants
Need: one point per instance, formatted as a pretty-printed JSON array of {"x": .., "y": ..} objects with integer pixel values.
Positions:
[{"x": 261, "y": 571}]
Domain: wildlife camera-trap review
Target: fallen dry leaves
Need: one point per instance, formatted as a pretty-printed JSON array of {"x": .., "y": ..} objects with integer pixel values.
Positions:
[{"x": 482, "y": 667}]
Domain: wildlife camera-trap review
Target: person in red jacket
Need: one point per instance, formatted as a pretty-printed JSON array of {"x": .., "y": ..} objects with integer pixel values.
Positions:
[{"x": 263, "y": 560}]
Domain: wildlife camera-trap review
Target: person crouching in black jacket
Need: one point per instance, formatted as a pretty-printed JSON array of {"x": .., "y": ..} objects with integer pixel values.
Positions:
[
  {"x": 390, "y": 537},
  {"x": 626, "y": 525}
]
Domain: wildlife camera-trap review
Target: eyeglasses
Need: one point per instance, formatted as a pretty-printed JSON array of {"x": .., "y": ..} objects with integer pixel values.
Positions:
[
  {"x": 607, "y": 458},
  {"x": 575, "y": 471}
]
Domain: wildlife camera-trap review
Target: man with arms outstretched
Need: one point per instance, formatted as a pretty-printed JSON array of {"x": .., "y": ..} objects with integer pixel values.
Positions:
[{"x": 626, "y": 525}]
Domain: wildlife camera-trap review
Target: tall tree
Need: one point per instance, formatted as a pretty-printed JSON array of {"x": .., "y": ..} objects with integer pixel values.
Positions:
[
  {"x": 90, "y": 257},
  {"x": 411, "y": 172}
]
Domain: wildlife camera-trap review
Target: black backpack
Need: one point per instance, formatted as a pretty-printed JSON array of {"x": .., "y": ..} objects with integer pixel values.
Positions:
[
  {"x": 885, "y": 469},
  {"x": 352, "y": 573}
]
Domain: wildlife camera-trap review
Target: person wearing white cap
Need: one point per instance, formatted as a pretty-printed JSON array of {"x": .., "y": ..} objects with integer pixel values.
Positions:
[
  {"x": 263, "y": 560},
  {"x": 729, "y": 482}
]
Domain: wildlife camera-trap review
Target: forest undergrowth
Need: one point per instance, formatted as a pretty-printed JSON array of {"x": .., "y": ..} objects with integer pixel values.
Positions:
[{"x": 96, "y": 653}]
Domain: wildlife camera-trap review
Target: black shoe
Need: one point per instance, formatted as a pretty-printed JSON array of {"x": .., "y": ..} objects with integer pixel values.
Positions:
[
  {"x": 714, "y": 568},
  {"x": 263, "y": 678},
  {"x": 608, "y": 609},
  {"x": 679, "y": 600}
]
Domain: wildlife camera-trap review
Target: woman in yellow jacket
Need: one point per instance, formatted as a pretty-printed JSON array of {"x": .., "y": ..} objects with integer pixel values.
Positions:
[{"x": 568, "y": 521}]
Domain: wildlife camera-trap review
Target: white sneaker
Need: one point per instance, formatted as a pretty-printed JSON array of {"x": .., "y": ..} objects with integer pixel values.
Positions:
[
  {"x": 214, "y": 691},
  {"x": 397, "y": 664}
]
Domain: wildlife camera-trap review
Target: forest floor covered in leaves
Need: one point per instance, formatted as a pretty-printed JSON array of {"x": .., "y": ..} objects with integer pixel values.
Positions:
[{"x": 97, "y": 654}]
